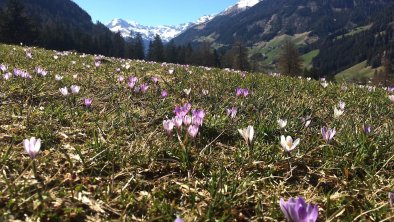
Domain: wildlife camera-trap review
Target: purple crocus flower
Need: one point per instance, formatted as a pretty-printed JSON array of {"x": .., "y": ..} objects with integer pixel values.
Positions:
[
  {"x": 133, "y": 79},
  {"x": 88, "y": 102},
  {"x": 197, "y": 121},
  {"x": 192, "y": 131},
  {"x": 198, "y": 113},
  {"x": 155, "y": 79},
  {"x": 298, "y": 210},
  {"x": 187, "y": 120},
  {"x": 239, "y": 91},
  {"x": 178, "y": 121},
  {"x": 7, "y": 76},
  {"x": 178, "y": 219},
  {"x": 164, "y": 93},
  {"x": 367, "y": 129},
  {"x": 3, "y": 67},
  {"x": 144, "y": 87},
  {"x": 131, "y": 84},
  {"x": 391, "y": 199},
  {"x": 97, "y": 63},
  {"x": 183, "y": 110},
  {"x": 245, "y": 92},
  {"x": 168, "y": 126},
  {"x": 120, "y": 78},
  {"x": 328, "y": 134},
  {"x": 232, "y": 112},
  {"x": 117, "y": 69}
]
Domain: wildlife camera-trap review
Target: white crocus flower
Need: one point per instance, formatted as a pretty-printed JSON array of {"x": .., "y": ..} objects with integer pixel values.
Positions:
[
  {"x": 338, "y": 112},
  {"x": 75, "y": 89},
  {"x": 187, "y": 91},
  {"x": 391, "y": 98},
  {"x": 64, "y": 91},
  {"x": 282, "y": 123},
  {"x": 247, "y": 134},
  {"x": 288, "y": 144},
  {"x": 32, "y": 146}
]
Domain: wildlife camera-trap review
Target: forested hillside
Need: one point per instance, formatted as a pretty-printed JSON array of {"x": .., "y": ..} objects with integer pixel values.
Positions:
[{"x": 58, "y": 24}]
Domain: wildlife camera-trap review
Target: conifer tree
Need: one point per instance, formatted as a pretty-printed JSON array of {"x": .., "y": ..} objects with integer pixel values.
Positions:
[
  {"x": 156, "y": 50},
  {"x": 290, "y": 61},
  {"x": 15, "y": 24},
  {"x": 138, "y": 45}
]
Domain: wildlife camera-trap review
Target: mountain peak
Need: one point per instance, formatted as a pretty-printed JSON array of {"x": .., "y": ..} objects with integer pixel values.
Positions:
[
  {"x": 166, "y": 32},
  {"x": 247, "y": 3}
]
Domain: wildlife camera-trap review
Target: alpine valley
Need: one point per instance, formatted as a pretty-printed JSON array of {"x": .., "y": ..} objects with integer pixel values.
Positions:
[{"x": 342, "y": 38}]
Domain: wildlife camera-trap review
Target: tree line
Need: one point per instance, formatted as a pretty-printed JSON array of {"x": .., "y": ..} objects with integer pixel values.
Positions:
[{"x": 21, "y": 25}]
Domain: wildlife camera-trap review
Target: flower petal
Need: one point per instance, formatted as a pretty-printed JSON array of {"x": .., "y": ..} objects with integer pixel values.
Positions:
[
  {"x": 295, "y": 144},
  {"x": 284, "y": 208}
]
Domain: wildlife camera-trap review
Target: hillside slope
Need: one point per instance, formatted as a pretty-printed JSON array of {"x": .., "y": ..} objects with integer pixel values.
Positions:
[
  {"x": 127, "y": 140},
  {"x": 324, "y": 21},
  {"x": 63, "y": 25}
]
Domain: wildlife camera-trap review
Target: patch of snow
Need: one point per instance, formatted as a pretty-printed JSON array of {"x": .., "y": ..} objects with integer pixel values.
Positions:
[
  {"x": 166, "y": 32},
  {"x": 247, "y": 3}
]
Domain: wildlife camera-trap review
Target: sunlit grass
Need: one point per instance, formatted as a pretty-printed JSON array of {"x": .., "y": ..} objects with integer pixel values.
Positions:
[{"x": 114, "y": 160}]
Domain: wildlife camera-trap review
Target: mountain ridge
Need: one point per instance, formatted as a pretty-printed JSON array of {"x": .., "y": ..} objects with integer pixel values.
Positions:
[{"x": 166, "y": 32}]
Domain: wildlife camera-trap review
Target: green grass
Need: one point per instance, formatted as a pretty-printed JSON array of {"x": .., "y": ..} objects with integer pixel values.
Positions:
[
  {"x": 356, "y": 73},
  {"x": 357, "y": 30},
  {"x": 307, "y": 58},
  {"x": 272, "y": 49},
  {"x": 114, "y": 162}
]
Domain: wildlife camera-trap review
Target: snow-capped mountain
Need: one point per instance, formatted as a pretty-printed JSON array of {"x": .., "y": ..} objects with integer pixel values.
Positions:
[
  {"x": 247, "y": 3},
  {"x": 166, "y": 32},
  {"x": 240, "y": 6}
]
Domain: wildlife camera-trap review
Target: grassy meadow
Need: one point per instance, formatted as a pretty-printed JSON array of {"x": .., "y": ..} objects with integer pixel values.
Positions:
[{"x": 114, "y": 161}]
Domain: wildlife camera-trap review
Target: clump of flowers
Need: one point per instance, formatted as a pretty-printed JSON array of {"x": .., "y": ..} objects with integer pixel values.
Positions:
[
  {"x": 193, "y": 122},
  {"x": 22, "y": 74},
  {"x": 41, "y": 71},
  {"x": 298, "y": 210},
  {"x": 132, "y": 81},
  {"x": 241, "y": 92}
]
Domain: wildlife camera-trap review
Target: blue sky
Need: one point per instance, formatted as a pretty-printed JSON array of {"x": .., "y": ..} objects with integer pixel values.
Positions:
[{"x": 153, "y": 12}]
